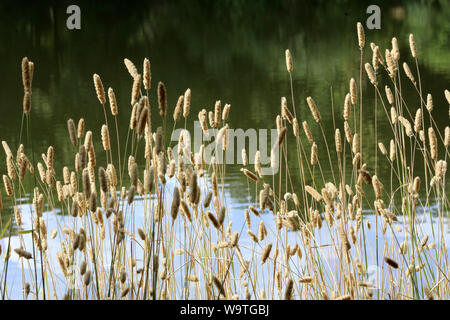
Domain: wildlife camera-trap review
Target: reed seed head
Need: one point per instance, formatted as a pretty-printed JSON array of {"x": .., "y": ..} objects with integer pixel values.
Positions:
[
  {"x": 337, "y": 139},
  {"x": 313, "y": 108},
  {"x": 409, "y": 73},
  {"x": 225, "y": 112},
  {"x": 412, "y": 46},
  {"x": 178, "y": 109},
  {"x": 353, "y": 91},
  {"x": 26, "y": 77},
  {"x": 217, "y": 113},
  {"x": 382, "y": 148},
  {"x": 447, "y": 136},
  {"x": 389, "y": 95},
  {"x": 347, "y": 104},
  {"x": 295, "y": 127},
  {"x": 147, "y": 74},
  {"x": 99, "y": 89},
  {"x": 187, "y": 103},
  {"x": 80, "y": 128},
  {"x": 288, "y": 293},
  {"x": 72, "y": 132},
  {"x": 377, "y": 186},
  {"x": 392, "y": 150},
  {"x": 105, "y": 138},
  {"x": 395, "y": 51},
  {"x": 112, "y": 102},
  {"x": 392, "y": 67},
  {"x": 307, "y": 132},
  {"x": 433, "y": 143},
  {"x": 390, "y": 262},
  {"x": 143, "y": 121},
  {"x": 136, "y": 89},
  {"x": 27, "y": 102},
  {"x": 289, "y": 64},
  {"x": 418, "y": 120},
  {"x": 429, "y": 104},
  {"x": 266, "y": 252},
  {"x": 175, "y": 203},
  {"x": 132, "y": 70},
  {"x": 162, "y": 99},
  {"x": 371, "y": 74},
  {"x": 361, "y": 36}
]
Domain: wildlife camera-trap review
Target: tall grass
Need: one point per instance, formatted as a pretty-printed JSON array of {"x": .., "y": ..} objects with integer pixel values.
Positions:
[{"x": 187, "y": 246}]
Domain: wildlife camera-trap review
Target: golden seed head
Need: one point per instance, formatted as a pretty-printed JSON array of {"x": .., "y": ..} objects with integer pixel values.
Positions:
[
  {"x": 258, "y": 168},
  {"x": 26, "y": 77},
  {"x": 72, "y": 132},
  {"x": 429, "y": 102},
  {"x": 187, "y": 103},
  {"x": 313, "y": 108},
  {"x": 178, "y": 109},
  {"x": 392, "y": 263},
  {"x": 285, "y": 113},
  {"x": 392, "y": 151},
  {"x": 162, "y": 99},
  {"x": 105, "y": 138},
  {"x": 99, "y": 89},
  {"x": 289, "y": 64},
  {"x": 8, "y": 185},
  {"x": 225, "y": 112},
  {"x": 80, "y": 128},
  {"x": 447, "y": 136},
  {"x": 314, "y": 193},
  {"x": 27, "y": 102},
  {"x": 266, "y": 252},
  {"x": 355, "y": 143},
  {"x": 337, "y": 139},
  {"x": 382, "y": 148},
  {"x": 130, "y": 67},
  {"x": 371, "y": 74},
  {"x": 307, "y": 132},
  {"x": 112, "y": 102},
  {"x": 407, "y": 125},
  {"x": 447, "y": 95},
  {"x": 147, "y": 74},
  {"x": 418, "y": 120},
  {"x": 412, "y": 46},
  {"x": 389, "y": 95},
  {"x": 217, "y": 113},
  {"x": 361, "y": 36},
  {"x": 376, "y": 57},
  {"x": 409, "y": 73},
  {"x": 143, "y": 121},
  {"x": 392, "y": 67},
  {"x": 348, "y": 132},
  {"x": 10, "y": 167},
  {"x": 433, "y": 143},
  {"x": 347, "y": 104},
  {"x": 295, "y": 127},
  {"x": 377, "y": 186},
  {"x": 250, "y": 174},
  {"x": 353, "y": 94},
  {"x": 395, "y": 51},
  {"x": 394, "y": 117},
  {"x": 136, "y": 89}
]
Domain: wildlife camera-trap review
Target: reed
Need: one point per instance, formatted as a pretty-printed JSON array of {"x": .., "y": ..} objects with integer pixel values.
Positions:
[{"x": 204, "y": 254}]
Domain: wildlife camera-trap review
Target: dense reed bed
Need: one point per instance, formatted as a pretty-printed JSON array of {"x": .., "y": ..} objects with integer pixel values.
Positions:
[{"x": 147, "y": 225}]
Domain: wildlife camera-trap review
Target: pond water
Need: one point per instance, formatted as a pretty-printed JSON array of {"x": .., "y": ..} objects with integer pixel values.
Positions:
[{"x": 231, "y": 51}]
